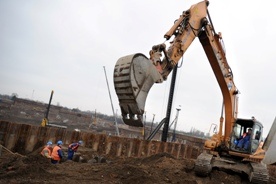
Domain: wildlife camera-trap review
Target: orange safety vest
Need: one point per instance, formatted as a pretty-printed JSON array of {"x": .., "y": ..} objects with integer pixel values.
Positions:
[
  {"x": 55, "y": 155},
  {"x": 46, "y": 148}
]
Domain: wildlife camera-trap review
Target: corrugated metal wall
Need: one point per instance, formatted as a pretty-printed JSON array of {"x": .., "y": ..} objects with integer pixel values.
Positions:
[{"x": 25, "y": 138}]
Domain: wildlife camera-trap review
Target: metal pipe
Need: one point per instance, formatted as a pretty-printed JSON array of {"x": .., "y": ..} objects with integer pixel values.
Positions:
[
  {"x": 169, "y": 107},
  {"x": 49, "y": 105},
  {"x": 156, "y": 129},
  {"x": 115, "y": 119},
  {"x": 152, "y": 123},
  {"x": 176, "y": 118}
]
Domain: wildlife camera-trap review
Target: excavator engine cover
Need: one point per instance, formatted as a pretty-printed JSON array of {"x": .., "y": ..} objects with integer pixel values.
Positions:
[{"x": 134, "y": 75}]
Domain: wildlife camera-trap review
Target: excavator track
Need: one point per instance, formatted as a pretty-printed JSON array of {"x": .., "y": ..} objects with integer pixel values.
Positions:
[
  {"x": 256, "y": 172},
  {"x": 203, "y": 164},
  {"x": 259, "y": 173}
]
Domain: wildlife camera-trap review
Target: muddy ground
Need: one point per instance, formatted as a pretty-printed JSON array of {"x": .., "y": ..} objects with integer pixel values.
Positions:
[{"x": 160, "y": 168}]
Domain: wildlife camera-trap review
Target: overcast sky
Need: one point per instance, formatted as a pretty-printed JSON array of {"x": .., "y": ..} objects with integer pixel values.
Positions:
[{"x": 62, "y": 45}]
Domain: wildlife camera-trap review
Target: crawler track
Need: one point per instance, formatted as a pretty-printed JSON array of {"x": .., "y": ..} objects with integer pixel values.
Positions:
[
  {"x": 259, "y": 173},
  {"x": 203, "y": 165}
]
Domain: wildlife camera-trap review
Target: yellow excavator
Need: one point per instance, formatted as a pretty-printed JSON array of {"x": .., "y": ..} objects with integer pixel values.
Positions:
[{"x": 135, "y": 74}]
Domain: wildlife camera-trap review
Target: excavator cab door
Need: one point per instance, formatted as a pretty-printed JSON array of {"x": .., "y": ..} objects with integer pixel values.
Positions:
[
  {"x": 256, "y": 137},
  {"x": 246, "y": 136}
]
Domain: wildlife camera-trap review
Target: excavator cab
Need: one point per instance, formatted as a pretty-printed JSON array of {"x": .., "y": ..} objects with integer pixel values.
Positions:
[{"x": 246, "y": 136}]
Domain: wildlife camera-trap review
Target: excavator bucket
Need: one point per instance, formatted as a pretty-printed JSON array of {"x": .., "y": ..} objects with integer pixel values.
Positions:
[
  {"x": 134, "y": 75},
  {"x": 270, "y": 145}
]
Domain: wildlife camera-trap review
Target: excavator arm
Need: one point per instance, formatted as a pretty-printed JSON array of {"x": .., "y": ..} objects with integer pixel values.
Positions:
[
  {"x": 184, "y": 30},
  {"x": 135, "y": 74}
]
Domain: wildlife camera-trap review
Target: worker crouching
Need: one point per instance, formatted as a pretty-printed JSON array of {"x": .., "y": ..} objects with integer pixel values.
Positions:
[
  {"x": 47, "y": 150},
  {"x": 72, "y": 148},
  {"x": 57, "y": 153}
]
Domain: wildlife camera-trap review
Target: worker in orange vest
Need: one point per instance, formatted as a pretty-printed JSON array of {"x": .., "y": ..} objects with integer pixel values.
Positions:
[
  {"x": 72, "y": 148},
  {"x": 47, "y": 150},
  {"x": 57, "y": 153}
]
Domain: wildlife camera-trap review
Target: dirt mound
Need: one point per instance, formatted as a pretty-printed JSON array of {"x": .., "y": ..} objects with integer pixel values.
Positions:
[
  {"x": 15, "y": 168},
  {"x": 159, "y": 168}
]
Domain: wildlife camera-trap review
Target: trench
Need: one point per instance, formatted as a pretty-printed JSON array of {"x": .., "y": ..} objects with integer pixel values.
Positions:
[{"x": 25, "y": 138}]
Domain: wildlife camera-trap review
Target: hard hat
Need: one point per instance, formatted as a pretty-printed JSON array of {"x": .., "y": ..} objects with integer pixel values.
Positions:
[
  {"x": 49, "y": 143},
  {"x": 59, "y": 143},
  {"x": 80, "y": 142}
]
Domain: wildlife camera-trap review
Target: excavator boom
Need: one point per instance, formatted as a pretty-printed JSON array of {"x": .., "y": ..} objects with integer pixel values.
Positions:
[{"x": 135, "y": 74}]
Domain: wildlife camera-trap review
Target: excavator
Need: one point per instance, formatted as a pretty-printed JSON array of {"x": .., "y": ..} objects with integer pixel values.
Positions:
[{"x": 135, "y": 74}]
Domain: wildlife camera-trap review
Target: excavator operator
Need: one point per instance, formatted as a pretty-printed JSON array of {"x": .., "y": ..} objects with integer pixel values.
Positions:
[{"x": 244, "y": 141}]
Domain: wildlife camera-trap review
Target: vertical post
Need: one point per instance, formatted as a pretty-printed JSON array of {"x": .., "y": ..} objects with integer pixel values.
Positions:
[
  {"x": 144, "y": 128},
  {"x": 45, "y": 121},
  {"x": 175, "y": 123},
  {"x": 95, "y": 118},
  {"x": 49, "y": 105},
  {"x": 169, "y": 107},
  {"x": 115, "y": 118},
  {"x": 152, "y": 123}
]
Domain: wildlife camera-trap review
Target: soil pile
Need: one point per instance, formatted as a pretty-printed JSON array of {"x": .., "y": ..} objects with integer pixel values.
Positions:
[{"x": 160, "y": 168}]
